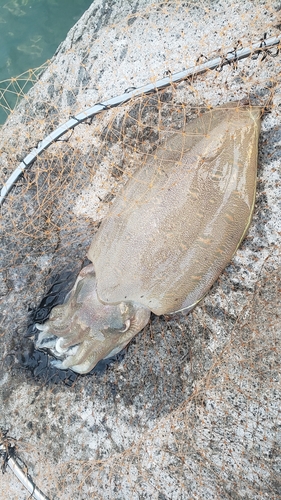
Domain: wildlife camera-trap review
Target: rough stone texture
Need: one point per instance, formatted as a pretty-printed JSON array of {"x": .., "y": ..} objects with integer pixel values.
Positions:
[{"x": 193, "y": 410}]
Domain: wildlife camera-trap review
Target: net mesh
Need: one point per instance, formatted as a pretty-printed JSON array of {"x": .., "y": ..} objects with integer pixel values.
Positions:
[
  {"x": 192, "y": 410},
  {"x": 13, "y": 90}
]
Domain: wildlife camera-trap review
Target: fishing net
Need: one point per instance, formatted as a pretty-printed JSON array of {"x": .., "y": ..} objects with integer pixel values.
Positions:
[
  {"x": 191, "y": 409},
  {"x": 13, "y": 90}
]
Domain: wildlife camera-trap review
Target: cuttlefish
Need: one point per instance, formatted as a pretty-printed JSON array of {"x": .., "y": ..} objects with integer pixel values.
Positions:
[{"x": 169, "y": 234}]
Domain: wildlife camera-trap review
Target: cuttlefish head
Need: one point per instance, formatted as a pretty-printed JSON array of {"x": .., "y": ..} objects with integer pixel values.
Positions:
[{"x": 83, "y": 330}]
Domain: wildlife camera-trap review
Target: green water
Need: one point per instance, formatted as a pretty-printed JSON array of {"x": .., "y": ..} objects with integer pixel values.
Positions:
[{"x": 30, "y": 32}]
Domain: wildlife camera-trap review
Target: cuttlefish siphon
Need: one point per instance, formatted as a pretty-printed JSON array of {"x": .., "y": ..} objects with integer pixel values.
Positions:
[{"x": 169, "y": 234}]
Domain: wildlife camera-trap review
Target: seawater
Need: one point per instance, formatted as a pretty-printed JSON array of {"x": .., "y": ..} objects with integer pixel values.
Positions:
[{"x": 30, "y": 32}]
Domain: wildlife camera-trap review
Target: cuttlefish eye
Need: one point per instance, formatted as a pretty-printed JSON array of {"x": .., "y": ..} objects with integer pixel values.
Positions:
[{"x": 170, "y": 233}]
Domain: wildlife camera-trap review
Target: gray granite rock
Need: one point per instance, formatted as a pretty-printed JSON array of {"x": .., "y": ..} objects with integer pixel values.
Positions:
[{"x": 193, "y": 409}]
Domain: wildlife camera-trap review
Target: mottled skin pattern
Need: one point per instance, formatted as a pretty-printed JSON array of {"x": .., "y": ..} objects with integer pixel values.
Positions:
[{"x": 170, "y": 233}]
